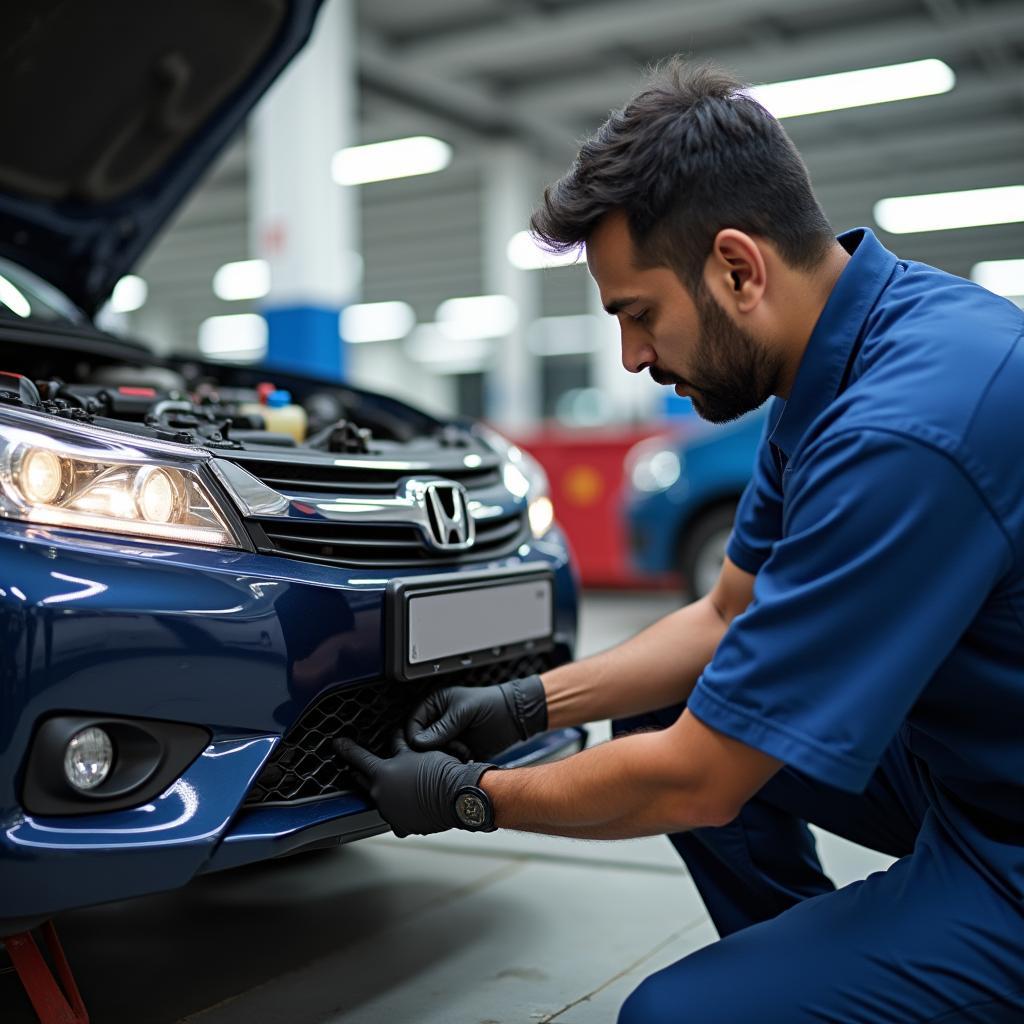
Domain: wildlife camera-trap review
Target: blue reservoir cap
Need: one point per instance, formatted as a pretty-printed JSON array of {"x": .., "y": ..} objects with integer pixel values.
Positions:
[{"x": 279, "y": 399}]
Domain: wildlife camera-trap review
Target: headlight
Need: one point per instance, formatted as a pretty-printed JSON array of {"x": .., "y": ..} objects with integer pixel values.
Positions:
[
  {"x": 542, "y": 515},
  {"x": 524, "y": 477},
  {"x": 92, "y": 479},
  {"x": 654, "y": 468}
]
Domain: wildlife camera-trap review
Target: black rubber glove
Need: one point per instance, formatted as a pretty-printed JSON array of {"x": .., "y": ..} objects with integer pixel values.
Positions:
[
  {"x": 479, "y": 721},
  {"x": 414, "y": 792}
]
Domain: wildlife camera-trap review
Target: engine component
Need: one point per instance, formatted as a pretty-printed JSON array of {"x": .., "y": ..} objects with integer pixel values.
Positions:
[
  {"x": 16, "y": 388},
  {"x": 342, "y": 437}
]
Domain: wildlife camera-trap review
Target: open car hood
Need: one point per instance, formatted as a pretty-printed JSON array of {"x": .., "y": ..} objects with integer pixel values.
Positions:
[{"x": 114, "y": 108}]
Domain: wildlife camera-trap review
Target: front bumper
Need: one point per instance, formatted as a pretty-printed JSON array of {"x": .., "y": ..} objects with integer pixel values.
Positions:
[{"x": 236, "y": 642}]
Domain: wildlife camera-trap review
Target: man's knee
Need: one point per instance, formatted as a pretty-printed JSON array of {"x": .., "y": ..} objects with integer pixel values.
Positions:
[
  {"x": 645, "y": 1005},
  {"x": 671, "y": 996}
]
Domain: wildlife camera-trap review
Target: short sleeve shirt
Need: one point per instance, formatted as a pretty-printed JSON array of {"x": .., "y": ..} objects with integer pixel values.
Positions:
[{"x": 885, "y": 525}]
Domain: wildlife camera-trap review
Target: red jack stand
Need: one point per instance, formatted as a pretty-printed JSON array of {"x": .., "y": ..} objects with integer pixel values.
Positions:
[{"x": 56, "y": 1000}]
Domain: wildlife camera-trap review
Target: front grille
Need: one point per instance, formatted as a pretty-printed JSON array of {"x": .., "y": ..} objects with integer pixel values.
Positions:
[
  {"x": 291, "y": 477},
  {"x": 379, "y": 544},
  {"x": 303, "y": 766}
]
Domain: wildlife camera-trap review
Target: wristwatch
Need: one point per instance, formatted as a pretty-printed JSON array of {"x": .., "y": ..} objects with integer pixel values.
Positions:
[{"x": 474, "y": 810}]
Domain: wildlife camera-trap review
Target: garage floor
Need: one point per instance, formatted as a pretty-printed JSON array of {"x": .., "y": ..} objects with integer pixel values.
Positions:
[{"x": 481, "y": 929}]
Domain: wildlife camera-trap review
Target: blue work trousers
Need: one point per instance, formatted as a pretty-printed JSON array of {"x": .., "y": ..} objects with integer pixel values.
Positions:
[{"x": 932, "y": 939}]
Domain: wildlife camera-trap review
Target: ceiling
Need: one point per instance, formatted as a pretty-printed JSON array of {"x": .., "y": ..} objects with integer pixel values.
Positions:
[{"x": 547, "y": 72}]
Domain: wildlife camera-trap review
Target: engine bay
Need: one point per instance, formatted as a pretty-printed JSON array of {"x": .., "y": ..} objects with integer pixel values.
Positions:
[{"x": 195, "y": 408}]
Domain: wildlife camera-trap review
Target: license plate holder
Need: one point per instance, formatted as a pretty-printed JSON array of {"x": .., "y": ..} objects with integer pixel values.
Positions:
[{"x": 456, "y": 621}]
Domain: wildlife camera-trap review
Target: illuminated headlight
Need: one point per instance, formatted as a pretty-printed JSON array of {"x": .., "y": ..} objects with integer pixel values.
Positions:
[
  {"x": 655, "y": 470},
  {"x": 88, "y": 758},
  {"x": 81, "y": 478},
  {"x": 542, "y": 515},
  {"x": 524, "y": 477}
]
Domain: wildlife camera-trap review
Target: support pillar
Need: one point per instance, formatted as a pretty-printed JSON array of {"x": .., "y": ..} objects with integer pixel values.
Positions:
[
  {"x": 632, "y": 397},
  {"x": 513, "y": 381},
  {"x": 302, "y": 223}
]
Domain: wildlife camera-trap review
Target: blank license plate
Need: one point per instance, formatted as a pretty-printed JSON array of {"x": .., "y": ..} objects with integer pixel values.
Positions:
[{"x": 451, "y": 627}]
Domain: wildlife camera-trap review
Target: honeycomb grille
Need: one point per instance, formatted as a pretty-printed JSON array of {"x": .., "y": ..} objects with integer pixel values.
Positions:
[{"x": 303, "y": 766}]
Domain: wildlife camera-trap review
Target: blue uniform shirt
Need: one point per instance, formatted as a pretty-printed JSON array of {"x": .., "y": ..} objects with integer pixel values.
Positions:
[{"x": 885, "y": 523}]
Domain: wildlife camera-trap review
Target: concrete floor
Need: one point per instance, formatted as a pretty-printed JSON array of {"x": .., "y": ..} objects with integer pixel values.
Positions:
[{"x": 482, "y": 929}]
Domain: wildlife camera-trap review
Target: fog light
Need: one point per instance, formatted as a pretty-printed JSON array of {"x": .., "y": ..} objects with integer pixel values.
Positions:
[{"x": 88, "y": 758}]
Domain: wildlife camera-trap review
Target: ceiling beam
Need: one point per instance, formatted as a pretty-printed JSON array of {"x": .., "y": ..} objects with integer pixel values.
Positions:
[
  {"x": 900, "y": 40},
  {"x": 524, "y": 42},
  {"x": 975, "y": 145},
  {"x": 898, "y": 181},
  {"x": 472, "y": 107},
  {"x": 974, "y": 97}
]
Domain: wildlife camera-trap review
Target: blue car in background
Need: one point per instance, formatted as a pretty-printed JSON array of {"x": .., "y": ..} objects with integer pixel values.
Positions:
[
  {"x": 193, "y": 606},
  {"x": 680, "y": 497}
]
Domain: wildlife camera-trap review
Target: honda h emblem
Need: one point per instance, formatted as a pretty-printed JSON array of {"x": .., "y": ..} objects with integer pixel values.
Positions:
[{"x": 450, "y": 526}]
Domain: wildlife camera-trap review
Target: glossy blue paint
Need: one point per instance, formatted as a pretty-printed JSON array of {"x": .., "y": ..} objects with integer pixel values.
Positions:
[
  {"x": 716, "y": 465},
  {"x": 235, "y": 641},
  {"x": 85, "y": 243},
  {"x": 49, "y": 864},
  {"x": 262, "y": 832}
]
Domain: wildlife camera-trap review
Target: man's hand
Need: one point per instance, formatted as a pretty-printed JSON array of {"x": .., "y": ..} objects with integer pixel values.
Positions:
[
  {"x": 415, "y": 793},
  {"x": 479, "y": 721}
]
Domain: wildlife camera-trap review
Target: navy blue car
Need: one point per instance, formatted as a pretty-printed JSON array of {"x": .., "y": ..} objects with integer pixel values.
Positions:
[
  {"x": 681, "y": 494},
  {"x": 193, "y": 607}
]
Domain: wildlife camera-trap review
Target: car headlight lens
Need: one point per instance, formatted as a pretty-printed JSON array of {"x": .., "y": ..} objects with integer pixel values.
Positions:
[
  {"x": 157, "y": 494},
  {"x": 524, "y": 477},
  {"x": 542, "y": 515},
  {"x": 655, "y": 470},
  {"x": 89, "y": 479},
  {"x": 41, "y": 476}
]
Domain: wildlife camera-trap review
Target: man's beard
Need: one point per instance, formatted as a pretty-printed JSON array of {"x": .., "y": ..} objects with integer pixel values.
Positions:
[{"x": 733, "y": 373}]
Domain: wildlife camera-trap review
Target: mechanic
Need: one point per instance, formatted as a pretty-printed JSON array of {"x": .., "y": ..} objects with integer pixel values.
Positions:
[{"x": 859, "y": 664}]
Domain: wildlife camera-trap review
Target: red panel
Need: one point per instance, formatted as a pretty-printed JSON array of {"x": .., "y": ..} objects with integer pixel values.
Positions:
[{"x": 585, "y": 468}]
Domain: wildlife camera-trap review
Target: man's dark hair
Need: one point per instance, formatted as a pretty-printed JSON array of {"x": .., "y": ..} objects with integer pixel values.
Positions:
[{"x": 688, "y": 156}]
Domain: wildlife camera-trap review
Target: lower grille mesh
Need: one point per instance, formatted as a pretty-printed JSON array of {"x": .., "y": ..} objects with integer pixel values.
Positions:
[{"x": 303, "y": 766}]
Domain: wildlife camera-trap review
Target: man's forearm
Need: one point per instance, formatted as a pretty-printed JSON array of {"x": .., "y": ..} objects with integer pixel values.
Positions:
[
  {"x": 630, "y": 787},
  {"x": 654, "y": 669}
]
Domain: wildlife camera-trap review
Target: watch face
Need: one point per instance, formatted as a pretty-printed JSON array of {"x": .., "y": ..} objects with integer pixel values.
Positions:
[{"x": 471, "y": 810}]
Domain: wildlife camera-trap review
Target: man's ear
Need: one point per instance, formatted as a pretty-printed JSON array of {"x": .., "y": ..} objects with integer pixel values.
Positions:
[{"x": 735, "y": 271}]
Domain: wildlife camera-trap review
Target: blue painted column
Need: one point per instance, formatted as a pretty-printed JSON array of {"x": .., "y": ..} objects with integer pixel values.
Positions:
[{"x": 302, "y": 223}]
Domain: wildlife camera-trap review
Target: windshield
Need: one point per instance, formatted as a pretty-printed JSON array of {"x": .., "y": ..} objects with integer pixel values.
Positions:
[{"x": 24, "y": 295}]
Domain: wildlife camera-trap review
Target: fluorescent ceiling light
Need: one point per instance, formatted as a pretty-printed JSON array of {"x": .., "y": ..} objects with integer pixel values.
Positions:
[
  {"x": 563, "y": 335},
  {"x": 241, "y": 337},
  {"x": 524, "y": 252},
  {"x": 429, "y": 345},
  {"x": 944, "y": 211},
  {"x": 13, "y": 299},
  {"x": 376, "y": 321},
  {"x": 1004, "y": 277},
  {"x": 477, "y": 316},
  {"x": 382, "y": 161},
  {"x": 855, "y": 88},
  {"x": 246, "y": 279},
  {"x": 129, "y": 294}
]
